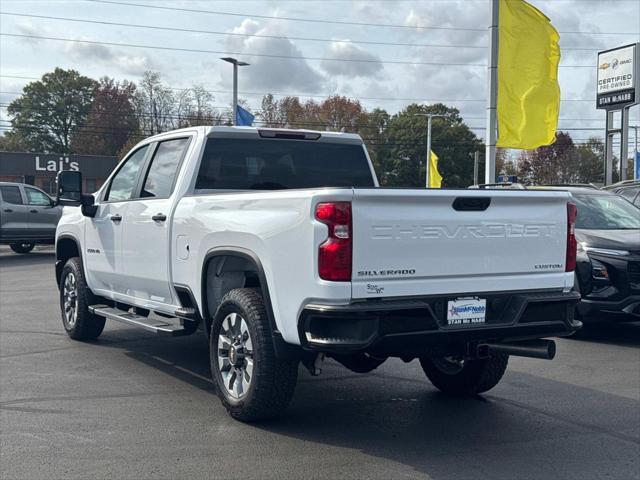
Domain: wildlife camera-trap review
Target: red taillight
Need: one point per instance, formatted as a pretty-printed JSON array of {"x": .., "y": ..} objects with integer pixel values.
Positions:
[
  {"x": 334, "y": 254},
  {"x": 572, "y": 246}
]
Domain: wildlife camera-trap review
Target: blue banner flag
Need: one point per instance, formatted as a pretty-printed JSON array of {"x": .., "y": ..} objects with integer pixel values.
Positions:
[
  {"x": 637, "y": 170},
  {"x": 243, "y": 117}
]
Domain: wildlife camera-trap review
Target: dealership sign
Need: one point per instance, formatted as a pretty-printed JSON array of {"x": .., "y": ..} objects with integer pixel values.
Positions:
[{"x": 618, "y": 82}]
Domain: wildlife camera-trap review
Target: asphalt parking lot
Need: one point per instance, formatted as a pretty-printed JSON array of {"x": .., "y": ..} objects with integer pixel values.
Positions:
[{"x": 132, "y": 405}]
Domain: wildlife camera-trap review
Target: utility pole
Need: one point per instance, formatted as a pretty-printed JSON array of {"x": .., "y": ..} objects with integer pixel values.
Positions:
[
  {"x": 235, "y": 64},
  {"x": 428, "y": 164},
  {"x": 492, "y": 119}
]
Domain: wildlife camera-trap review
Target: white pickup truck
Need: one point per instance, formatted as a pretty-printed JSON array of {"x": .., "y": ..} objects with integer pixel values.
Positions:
[{"x": 282, "y": 248}]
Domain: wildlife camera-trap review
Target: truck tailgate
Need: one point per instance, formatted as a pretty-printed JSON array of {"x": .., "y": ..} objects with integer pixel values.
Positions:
[{"x": 417, "y": 242}]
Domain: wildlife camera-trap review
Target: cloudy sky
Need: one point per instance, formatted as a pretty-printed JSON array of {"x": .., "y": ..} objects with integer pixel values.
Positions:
[{"x": 406, "y": 50}]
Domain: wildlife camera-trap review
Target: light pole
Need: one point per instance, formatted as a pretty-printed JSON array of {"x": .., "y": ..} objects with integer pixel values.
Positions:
[
  {"x": 636, "y": 168},
  {"x": 235, "y": 64},
  {"x": 429, "y": 117}
]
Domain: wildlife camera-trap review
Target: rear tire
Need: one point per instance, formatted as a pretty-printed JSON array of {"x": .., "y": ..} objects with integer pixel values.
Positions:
[
  {"x": 466, "y": 377},
  {"x": 75, "y": 298},
  {"x": 22, "y": 247},
  {"x": 250, "y": 381}
]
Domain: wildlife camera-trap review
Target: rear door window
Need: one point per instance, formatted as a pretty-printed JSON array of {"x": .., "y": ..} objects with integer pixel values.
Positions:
[
  {"x": 11, "y": 194},
  {"x": 164, "y": 168},
  {"x": 274, "y": 164}
]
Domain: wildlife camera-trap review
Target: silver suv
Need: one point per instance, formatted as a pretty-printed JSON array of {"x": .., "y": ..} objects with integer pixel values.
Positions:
[{"x": 27, "y": 216}]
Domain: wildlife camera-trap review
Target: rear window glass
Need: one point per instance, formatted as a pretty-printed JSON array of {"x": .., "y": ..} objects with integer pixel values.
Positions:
[{"x": 268, "y": 164}]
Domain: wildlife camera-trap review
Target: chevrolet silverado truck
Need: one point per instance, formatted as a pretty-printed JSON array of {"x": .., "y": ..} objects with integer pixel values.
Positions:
[{"x": 282, "y": 248}]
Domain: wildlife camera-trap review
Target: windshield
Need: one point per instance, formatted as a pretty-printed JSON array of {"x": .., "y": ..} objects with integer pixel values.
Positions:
[
  {"x": 270, "y": 164},
  {"x": 606, "y": 212}
]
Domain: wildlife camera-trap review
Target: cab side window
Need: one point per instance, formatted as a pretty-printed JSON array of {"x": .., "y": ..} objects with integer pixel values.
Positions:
[
  {"x": 124, "y": 182},
  {"x": 164, "y": 168},
  {"x": 11, "y": 194},
  {"x": 36, "y": 197}
]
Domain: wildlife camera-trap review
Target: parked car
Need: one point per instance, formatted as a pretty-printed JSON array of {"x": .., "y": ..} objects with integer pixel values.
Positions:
[
  {"x": 27, "y": 216},
  {"x": 282, "y": 247},
  {"x": 629, "y": 189},
  {"x": 576, "y": 185},
  {"x": 608, "y": 269}
]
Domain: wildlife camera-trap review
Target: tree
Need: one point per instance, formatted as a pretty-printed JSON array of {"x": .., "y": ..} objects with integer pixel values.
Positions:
[
  {"x": 374, "y": 133},
  {"x": 590, "y": 159},
  {"x": 451, "y": 140},
  {"x": 50, "y": 110},
  {"x": 13, "y": 141},
  {"x": 335, "y": 113},
  {"x": 126, "y": 148},
  {"x": 154, "y": 105},
  {"x": 195, "y": 107},
  {"x": 111, "y": 121},
  {"x": 563, "y": 162}
]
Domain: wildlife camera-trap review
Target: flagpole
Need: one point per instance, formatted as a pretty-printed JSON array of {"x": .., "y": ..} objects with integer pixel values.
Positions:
[{"x": 492, "y": 119}]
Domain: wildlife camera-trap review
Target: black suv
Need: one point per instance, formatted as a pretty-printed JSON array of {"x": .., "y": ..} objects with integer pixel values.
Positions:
[{"x": 608, "y": 270}]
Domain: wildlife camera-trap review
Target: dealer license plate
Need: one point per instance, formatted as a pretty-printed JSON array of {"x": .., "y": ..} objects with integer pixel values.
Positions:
[{"x": 466, "y": 311}]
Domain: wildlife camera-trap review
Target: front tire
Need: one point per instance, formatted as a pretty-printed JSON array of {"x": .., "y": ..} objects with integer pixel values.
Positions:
[
  {"x": 250, "y": 381},
  {"x": 75, "y": 298},
  {"x": 465, "y": 377},
  {"x": 22, "y": 247}
]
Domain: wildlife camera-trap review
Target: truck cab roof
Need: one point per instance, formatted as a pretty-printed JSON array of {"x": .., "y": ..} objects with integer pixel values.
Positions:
[{"x": 264, "y": 132}]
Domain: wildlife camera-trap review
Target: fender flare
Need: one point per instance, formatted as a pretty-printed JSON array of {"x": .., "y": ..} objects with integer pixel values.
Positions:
[
  {"x": 59, "y": 264},
  {"x": 282, "y": 348}
]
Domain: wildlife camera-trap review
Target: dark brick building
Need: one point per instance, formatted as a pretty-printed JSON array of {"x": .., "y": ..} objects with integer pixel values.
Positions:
[{"x": 40, "y": 169}]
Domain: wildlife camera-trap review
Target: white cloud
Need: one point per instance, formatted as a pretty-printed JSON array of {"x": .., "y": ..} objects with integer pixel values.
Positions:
[
  {"x": 110, "y": 57},
  {"x": 106, "y": 57},
  {"x": 371, "y": 66},
  {"x": 268, "y": 73}
]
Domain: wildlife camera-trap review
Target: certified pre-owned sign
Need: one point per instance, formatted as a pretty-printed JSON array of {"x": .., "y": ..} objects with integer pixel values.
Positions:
[{"x": 618, "y": 77}]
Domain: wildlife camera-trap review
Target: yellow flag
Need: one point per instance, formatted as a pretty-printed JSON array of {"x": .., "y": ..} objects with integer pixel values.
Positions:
[
  {"x": 435, "y": 179},
  {"x": 528, "y": 90}
]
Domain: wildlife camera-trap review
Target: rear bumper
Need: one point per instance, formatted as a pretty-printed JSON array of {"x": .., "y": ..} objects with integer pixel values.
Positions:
[{"x": 418, "y": 326}]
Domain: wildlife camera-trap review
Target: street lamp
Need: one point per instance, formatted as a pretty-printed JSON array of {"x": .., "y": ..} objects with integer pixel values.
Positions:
[
  {"x": 429, "y": 117},
  {"x": 236, "y": 64},
  {"x": 636, "y": 168}
]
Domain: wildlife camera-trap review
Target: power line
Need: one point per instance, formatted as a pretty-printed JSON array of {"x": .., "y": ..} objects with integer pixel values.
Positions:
[
  {"x": 245, "y": 54},
  {"x": 334, "y": 22},
  {"x": 266, "y": 55},
  {"x": 291, "y": 19},
  {"x": 249, "y": 35},
  {"x": 306, "y": 95}
]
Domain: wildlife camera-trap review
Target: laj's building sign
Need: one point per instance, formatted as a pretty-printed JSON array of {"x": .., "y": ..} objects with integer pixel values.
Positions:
[{"x": 41, "y": 169}]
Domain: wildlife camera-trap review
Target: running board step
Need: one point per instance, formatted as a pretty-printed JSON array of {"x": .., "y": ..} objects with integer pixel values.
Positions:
[{"x": 155, "y": 325}]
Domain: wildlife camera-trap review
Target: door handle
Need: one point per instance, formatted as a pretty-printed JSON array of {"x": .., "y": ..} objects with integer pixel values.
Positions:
[
  {"x": 8, "y": 210},
  {"x": 115, "y": 218},
  {"x": 33, "y": 211},
  {"x": 160, "y": 217}
]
